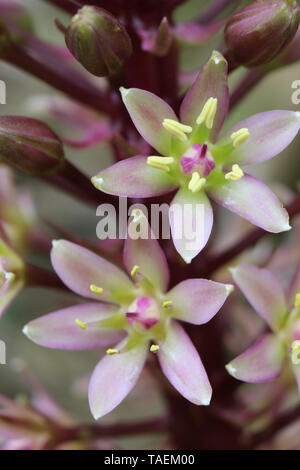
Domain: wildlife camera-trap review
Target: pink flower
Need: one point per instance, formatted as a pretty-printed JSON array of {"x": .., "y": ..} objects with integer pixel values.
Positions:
[
  {"x": 199, "y": 162},
  {"x": 129, "y": 316},
  {"x": 280, "y": 347}
]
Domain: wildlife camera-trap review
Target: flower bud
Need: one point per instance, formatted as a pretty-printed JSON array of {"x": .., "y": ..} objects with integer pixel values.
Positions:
[
  {"x": 29, "y": 145},
  {"x": 98, "y": 41},
  {"x": 259, "y": 32}
]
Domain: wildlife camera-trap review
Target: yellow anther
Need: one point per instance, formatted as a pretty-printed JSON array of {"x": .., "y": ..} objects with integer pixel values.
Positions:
[
  {"x": 240, "y": 136},
  {"x": 167, "y": 304},
  {"x": 236, "y": 173},
  {"x": 196, "y": 182},
  {"x": 297, "y": 300},
  {"x": 162, "y": 163},
  {"x": 134, "y": 271},
  {"x": 81, "y": 324},
  {"x": 177, "y": 129},
  {"x": 96, "y": 289},
  {"x": 208, "y": 113},
  {"x": 295, "y": 352},
  {"x": 112, "y": 352},
  {"x": 154, "y": 348}
]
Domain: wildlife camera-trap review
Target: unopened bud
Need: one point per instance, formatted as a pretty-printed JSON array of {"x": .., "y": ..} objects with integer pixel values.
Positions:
[
  {"x": 29, "y": 145},
  {"x": 98, "y": 41},
  {"x": 159, "y": 41},
  {"x": 258, "y": 33}
]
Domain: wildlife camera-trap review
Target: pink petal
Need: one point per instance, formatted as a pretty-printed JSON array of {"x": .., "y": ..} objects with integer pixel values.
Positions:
[
  {"x": 191, "y": 220},
  {"x": 198, "y": 300},
  {"x": 148, "y": 255},
  {"x": 251, "y": 199},
  {"x": 270, "y": 133},
  {"x": 59, "y": 330},
  {"x": 133, "y": 178},
  {"x": 114, "y": 377},
  {"x": 210, "y": 83},
  {"x": 181, "y": 364},
  {"x": 147, "y": 112},
  {"x": 262, "y": 362},
  {"x": 78, "y": 268},
  {"x": 262, "y": 289}
]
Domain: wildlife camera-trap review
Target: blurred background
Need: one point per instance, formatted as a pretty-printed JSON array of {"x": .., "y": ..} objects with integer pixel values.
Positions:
[{"x": 63, "y": 373}]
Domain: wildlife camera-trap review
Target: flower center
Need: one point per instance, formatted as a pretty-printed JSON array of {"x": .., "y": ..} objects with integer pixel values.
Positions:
[{"x": 143, "y": 313}]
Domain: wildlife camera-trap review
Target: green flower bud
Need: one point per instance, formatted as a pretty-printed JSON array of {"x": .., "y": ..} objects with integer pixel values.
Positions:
[
  {"x": 29, "y": 145},
  {"x": 259, "y": 32},
  {"x": 98, "y": 41}
]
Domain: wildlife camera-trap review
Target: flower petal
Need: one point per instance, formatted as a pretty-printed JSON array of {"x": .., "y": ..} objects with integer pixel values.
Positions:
[
  {"x": 147, "y": 112},
  {"x": 59, "y": 330},
  {"x": 211, "y": 82},
  {"x": 198, "y": 300},
  {"x": 114, "y": 377},
  {"x": 262, "y": 362},
  {"x": 263, "y": 291},
  {"x": 148, "y": 256},
  {"x": 133, "y": 178},
  {"x": 251, "y": 199},
  {"x": 181, "y": 364},
  {"x": 191, "y": 220},
  {"x": 78, "y": 268},
  {"x": 270, "y": 133}
]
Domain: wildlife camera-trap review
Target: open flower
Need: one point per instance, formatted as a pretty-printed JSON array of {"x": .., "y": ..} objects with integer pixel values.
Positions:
[
  {"x": 130, "y": 316},
  {"x": 265, "y": 360},
  {"x": 199, "y": 163}
]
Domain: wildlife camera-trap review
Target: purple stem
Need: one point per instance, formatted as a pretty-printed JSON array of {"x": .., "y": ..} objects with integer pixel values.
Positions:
[
  {"x": 40, "y": 277},
  {"x": 72, "y": 181},
  {"x": 114, "y": 430},
  {"x": 250, "y": 80},
  {"x": 42, "y": 61},
  {"x": 216, "y": 8}
]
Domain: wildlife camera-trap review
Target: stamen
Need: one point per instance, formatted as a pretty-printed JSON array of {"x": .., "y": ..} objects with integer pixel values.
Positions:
[
  {"x": 236, "y": 173},
  {"x": 154, "y": 348},
  {"x": 96, "y": 289},
  {"x": 240, "y": 136},
  {"x": 81, "y": 324},
  {"x": 208, "y": 113},
  {"x": 295, "y": 352},
  {"x": 162, "y": 163},
  {"x": 112, "y": 352},
  {"x": 167, "y": 304},
  {"x": 297, "y": 300},
  {"x": 135, "y": 270},
  {"x": 177, "y": 129},
  {"x": 196, "y": 182}
]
